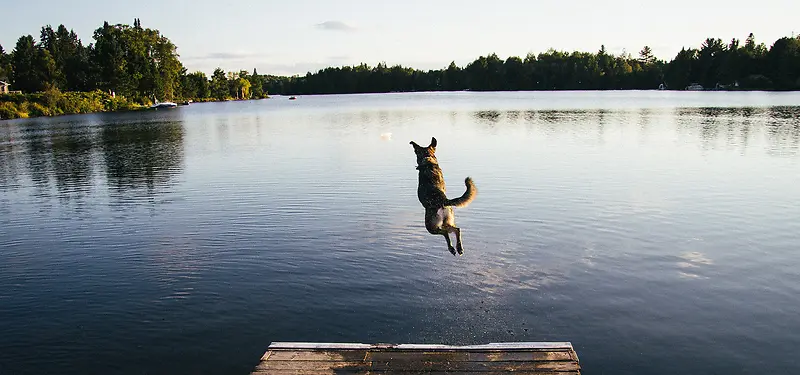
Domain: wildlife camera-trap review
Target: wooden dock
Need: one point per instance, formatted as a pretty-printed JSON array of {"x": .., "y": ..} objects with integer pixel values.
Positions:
[{"x": 527, "y": 358}]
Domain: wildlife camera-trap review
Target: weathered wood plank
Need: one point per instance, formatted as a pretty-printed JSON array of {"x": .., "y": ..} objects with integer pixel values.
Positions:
[
  {"x": 415, "y": 365},
  {"x": 317, "y": 345},
  {"x": 312, "y": 372},
  {"x": 313, "y": 365},
  {"x": 464, "y": 356},
  {"x": 574, "y": 356},
  {"x": 492, "y": 346},
  {"x": 317, "y": 355}
]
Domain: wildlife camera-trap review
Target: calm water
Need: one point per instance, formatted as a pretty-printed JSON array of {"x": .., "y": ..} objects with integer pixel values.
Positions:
[{"x": 658, "y": 232}]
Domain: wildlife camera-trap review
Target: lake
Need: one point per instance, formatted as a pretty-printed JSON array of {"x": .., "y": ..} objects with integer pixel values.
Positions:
[{"x": 657, "y": 231}]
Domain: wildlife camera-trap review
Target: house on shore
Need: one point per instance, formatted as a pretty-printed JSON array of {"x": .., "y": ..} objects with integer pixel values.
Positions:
[{"x": 4, "y": 87}]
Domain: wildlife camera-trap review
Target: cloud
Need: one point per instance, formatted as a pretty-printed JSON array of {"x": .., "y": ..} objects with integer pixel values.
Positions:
[
  {"x": 335, "y": 26},
  {"x": 226, "y": 56}
]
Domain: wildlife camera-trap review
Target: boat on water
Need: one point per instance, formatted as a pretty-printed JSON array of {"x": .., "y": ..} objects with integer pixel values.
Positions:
[
  {"x": 695, "y": 87},
  {"x": 292, "y": 98},
  {"x": 160, "y": 105}
]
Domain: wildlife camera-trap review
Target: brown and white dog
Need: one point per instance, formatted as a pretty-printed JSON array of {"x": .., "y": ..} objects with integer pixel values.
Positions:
[{"x": 439, "y": 217}]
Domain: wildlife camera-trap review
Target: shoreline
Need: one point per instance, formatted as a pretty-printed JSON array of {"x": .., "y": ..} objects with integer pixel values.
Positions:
[
  {"x": 135, "y": 107},
  {"x": 56, "y": 104}
]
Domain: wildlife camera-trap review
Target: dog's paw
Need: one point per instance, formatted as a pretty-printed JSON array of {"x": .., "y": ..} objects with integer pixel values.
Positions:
[{"x": 452, "y": 250}]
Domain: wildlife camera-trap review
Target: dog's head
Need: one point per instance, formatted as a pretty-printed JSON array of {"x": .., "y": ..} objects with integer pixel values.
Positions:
[{"x": 425, "y": 154}]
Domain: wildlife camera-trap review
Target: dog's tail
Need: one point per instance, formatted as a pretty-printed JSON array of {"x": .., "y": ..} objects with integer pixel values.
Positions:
[{"x": 465, "y": 199}]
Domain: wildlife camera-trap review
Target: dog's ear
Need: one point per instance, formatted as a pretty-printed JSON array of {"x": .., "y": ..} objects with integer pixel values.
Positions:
[
  {"x": 416, "y": 146},
  {"x": 433, "y": 142}
]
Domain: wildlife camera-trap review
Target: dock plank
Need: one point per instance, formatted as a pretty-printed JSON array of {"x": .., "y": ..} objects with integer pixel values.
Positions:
[
  {"x": 557, "y": 358},
  {"x": 313, "y": 365},
  {"x": 317, "y": 355},
  {"x": 411, "y": 364},
  {"x": 479, "y": 356}
]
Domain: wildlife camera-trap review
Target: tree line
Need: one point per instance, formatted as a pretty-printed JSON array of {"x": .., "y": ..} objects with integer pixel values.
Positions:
[
  {"x": 132, "y": 61},
  {"x": 143, "y": 65},
  {"x": 751, "y": 66}
]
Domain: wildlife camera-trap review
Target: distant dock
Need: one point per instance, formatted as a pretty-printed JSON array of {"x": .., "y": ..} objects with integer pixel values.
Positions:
[{"x": 524, "y": 358}]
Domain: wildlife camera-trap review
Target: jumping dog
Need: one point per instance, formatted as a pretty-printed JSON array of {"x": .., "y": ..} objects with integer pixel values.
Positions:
[{"x": 439, "y": 217}]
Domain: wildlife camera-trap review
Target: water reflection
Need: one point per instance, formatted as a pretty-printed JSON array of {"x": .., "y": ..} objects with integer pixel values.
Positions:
[
  {"x": 490, "y": 117},
  {"x": 691, "y": 263},
  {"x": 142, "y": 155},
  {"x": 39, "y": 171},
  {"x": 223, "y": 133},
  {"x": 714, "y": 128},
  {"x": 65, "y": 158},
  {"x": 9, "y": 167},
  {"x": 783, "y": 131},
  {"x": 71, "y": 153}
]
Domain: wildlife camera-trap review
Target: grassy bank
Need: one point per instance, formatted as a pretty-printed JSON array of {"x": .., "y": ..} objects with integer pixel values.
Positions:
[{"x": 54, "y": 103}]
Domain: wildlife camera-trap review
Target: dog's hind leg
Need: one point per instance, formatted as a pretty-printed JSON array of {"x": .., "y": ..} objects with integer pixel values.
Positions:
[
  {"x": 449, "y": 226},
  {"x": 444, "y": 231},
  {"x": 436, "y": 222},
  {"x": 460, "y": 248},
  {"x": 449, "y": 244},
  {"x": 457, "y": 231}
]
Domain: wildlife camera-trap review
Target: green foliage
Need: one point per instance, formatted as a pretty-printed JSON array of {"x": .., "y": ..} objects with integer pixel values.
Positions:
[
  {"x": 551, "y": 70},
  {"x": 53, "y": 102},
  {"x": 219, "y": 85},
  {"x": 783, "y": 60},
  {"x": 646, "y": 55},
  {"x": 257, "y": 86},
  {"x": 195, "y": 86},
  {"x": 136, "y": 62},
  {"x": 242, "y": 88},
  {"x": 9, "y": 110},
  {"x": 25, "y": 74}
]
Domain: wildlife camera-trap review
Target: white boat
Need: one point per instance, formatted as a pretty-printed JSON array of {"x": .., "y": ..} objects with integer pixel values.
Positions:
[
  {"x": 159, "y": 105},
  {"x": 695, "y": 87}
]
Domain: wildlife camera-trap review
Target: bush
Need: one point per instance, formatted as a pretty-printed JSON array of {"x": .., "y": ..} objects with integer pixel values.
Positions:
[
  {"x": 36, "y": 109},
  {"x": 9, "y": 110},
  {"x": 53, "y": 102}
]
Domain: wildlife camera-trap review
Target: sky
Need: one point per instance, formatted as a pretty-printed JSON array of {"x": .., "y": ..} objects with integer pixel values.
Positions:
[{"x": 289, "y": 37}]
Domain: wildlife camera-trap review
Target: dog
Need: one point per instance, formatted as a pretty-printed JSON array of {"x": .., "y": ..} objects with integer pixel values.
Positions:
[{"x": 439, "y": 217}]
